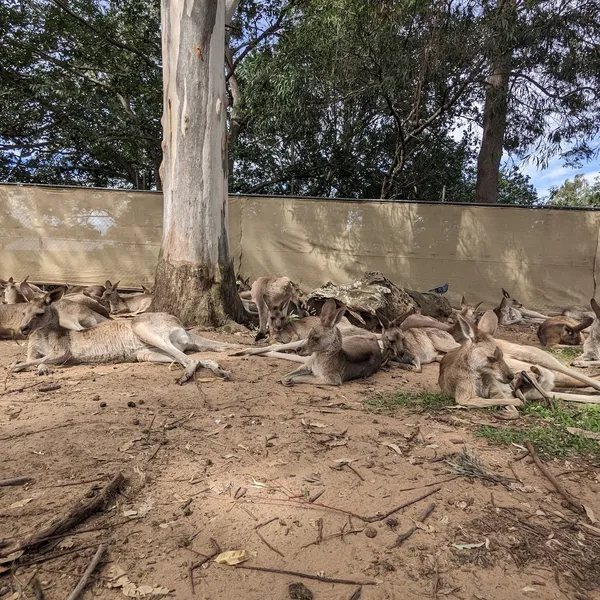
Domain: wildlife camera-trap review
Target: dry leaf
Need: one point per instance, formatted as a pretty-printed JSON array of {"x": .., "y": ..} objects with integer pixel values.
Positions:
[
  {"x": 21, "y": 503},
  {"x": 258, "y": 484},
  {"x": 529, "y": 589},
  {"x": 130, "y": 513},
  {"x": 468, "y": 546},
  {"x": 445, "y": 520},
  {"x": 590, "y": 513},
  {"x": 232, "y": 557},
  {"x": 591, "y": 529},
  {"x": 394, "y": 447},
  {"x": 66, "y": 543}
]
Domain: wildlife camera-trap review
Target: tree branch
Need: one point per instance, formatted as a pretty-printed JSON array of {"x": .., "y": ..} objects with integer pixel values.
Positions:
[{"x": 116, "y": 43}]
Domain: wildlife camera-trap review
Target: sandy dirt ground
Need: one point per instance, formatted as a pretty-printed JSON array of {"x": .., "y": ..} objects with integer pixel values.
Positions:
[{"x": 299, "y": 478}]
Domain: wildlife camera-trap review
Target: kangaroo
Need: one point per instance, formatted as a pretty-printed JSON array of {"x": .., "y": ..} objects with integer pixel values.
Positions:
[
  {"x": 12, "y": 293},
  {"x": 416, "y": 346},
  {"x": 89, "y": 290},
  {"x": 473, "y": 374},
  {"x": 272, "y": 296},
  {"x": 562, "y": 330},
  {"x": 591, "y": 346},
  {"x": 152, "y": 337},
  {"x": 578, "y": 313},
  {"x": 510, "y": 311},
  {"x": 466, "y": 310},
  {"x": 134, "y": 303},
  {"x": 88, "y": 318},
  {"x": 327, "y": 357}
]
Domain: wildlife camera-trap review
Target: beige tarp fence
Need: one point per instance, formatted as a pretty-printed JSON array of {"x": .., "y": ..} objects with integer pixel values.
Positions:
[{"x": 547, "y": 258}]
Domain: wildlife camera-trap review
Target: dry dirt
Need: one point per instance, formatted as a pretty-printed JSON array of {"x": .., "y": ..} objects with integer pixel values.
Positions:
[{"x": 215, "y": 459}]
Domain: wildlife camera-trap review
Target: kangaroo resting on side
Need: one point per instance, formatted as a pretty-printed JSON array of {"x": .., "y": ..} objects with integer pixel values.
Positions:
[
  {"x": 562, "y": 331},
  {"x": 151, "y": 337},
  {"x": 591, "y": 346},
  {"x": 510, "y": 311},
  {"x": 134, "y": 303}
]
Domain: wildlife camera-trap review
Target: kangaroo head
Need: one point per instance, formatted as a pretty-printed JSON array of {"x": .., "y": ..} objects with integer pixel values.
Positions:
[
  {"x": 468, "y": 311},
  {"x": 110, "y": 292},
  {"x": 37, "y": 313},
  {"x": 572, "y": 335},
  {"x": 508, "y": 301},
  {"x": 393, "y": 338},
  {"x": 484, "y": 355},
  {"x": 278, "y": 315},
  {"x": 147, "y": 291},
  {"x": 11, "y": 291},
  {"x": 325, "y": 335}
]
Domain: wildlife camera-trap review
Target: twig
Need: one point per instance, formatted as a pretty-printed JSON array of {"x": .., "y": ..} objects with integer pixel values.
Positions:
[
  {"x": 316, "y": 496},
  {"x": 51, "y": 387},
  {"x": 318, "y": 505},
  {"x": 256, "y": 529},
  {"x": 76, "y": 515},
  {"x": 150, "y": 427},
  {"x": 355, "y": 471},
  {"x": 305, "y": 575},
  {"x": 42, "y": 559},
  {"x": 573, "y": 502},
  {"x": 404, "y": 536},
  {"x": 14, "y": 481},
  {"x": 21, "y": 389},
  {"x": 356, "y": 594},
  {"x": 319, "y": 530},
  {"x": 198, "y": 564},
  {"x": 332, "y": 536},
  {"x": 155, "y": 452},
  {"x": 26, "y": 433},
  {"x": 85, "y": 577}
]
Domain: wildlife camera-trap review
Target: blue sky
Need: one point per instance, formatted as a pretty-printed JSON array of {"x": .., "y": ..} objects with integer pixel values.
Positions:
[{"x": 556, "y": 174}]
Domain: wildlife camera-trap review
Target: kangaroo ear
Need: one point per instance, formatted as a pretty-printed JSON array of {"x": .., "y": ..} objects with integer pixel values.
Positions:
[
  {"x": 339, "y": 314},
  {"x": 584, "y": 324},
  {"x": 328, "y": 313},
  {"x": 505, "y": 293},
  {"x": 54, "y": 295},
  {"x": 466, "y": 328},
  {"x": 477, "y": 306},
  {"x": 463, "y": 302},
  {"x": 595, "y": 307},
  {"x": 488, "y": 323},
  {"x": 107, "y": 284}
]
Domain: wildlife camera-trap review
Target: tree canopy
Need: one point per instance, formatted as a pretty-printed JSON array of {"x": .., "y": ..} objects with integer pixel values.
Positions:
[{"x": 335, "y": 98}]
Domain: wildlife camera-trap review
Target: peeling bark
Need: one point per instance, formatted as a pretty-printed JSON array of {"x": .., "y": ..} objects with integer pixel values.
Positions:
[{"x": 194, "y": 277}]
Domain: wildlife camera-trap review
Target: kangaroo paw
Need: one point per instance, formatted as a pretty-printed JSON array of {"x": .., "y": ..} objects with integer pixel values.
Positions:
[{"x": 44, "y": 370}]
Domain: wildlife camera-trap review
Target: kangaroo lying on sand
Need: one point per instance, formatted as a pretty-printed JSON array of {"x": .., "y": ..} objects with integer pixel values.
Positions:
[
  {"x": 12, "y": 293},
  {"x": 510, "y": 312},
  {"x": 327, "y": 357},
  {"x": 133, "y": 303},
  {"x": 152, "y": 337},
  {"x": 562, "y": 330}
]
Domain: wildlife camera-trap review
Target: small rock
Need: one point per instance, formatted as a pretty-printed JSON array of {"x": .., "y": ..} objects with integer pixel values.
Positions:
[
  {"x": 142, "y": 402},
  {"x": 131, "y": 404},
  {"x": 95, "y": 397},
  {"x": 298, "y": 591},
  {"x": 136, "y": 421},
  {"x": 370, "y": 532},
  {"x": 102, "y": 404},
  {"x": 392, "y": 523}
]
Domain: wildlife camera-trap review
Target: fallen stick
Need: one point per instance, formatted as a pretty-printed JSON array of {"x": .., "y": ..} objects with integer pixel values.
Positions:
[
  {"x": 306, "y": 575},
  {"x": 573, "y": 502},
  {"x": 85, "y": 577},
  {"x": 404, "y": 536},
  {"x": 198, "y": 564},
  {"x": 356, "y": 594},
  {"x": 332, "y": 536},
  {"x": 263, "y": 539},
  {"x": 76, "y": 515},
  {"x": 14, "y": 481},
  {"x": 318, "y": 505}
]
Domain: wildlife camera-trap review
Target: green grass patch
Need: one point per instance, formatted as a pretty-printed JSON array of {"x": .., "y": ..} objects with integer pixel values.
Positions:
[
  {"x": 411, "y": 400},
  {"x": 566, "y": 355},
  {"x": 546, "y": 429}
]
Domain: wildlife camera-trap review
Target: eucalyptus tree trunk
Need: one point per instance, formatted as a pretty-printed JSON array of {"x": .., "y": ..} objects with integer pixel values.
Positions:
[
  {"x": 496, "y": 103},
  {"x": 194, "y": 278},
  {"x": 494, "y": 129}
]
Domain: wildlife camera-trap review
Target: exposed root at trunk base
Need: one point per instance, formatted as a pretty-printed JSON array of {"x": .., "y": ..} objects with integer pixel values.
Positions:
[{"x": 192, "y": 293}]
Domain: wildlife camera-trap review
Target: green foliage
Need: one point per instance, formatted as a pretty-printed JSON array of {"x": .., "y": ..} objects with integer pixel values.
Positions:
[
  {"x": 81, "y": 86},
  {"x": 578, "y": 193},
  {"x": 567, "y": 355},
  {"x": 431, "y": 401},
  {"x": 550, "y": 436}
]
